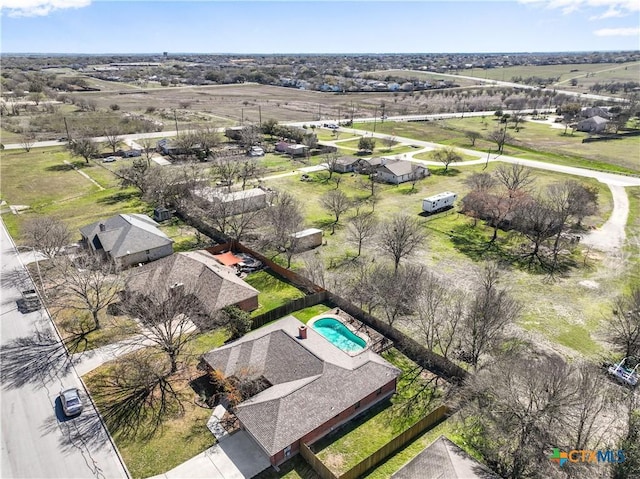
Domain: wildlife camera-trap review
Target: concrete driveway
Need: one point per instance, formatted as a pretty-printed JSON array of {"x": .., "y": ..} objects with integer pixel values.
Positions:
[{"x": 235, "y": 457}]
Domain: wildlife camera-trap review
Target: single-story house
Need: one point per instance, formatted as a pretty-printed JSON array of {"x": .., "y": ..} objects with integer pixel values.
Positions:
[
  {"x": 589, "y": 112},
  {"x": 234, "y": 202},
  {"x": 369, "y": 165},
  {"x": 292, "y": 149},
  {"x": 400, "y": 171},
  {"x": 444, "y": 459},
  {"x": 346, "y": 164},
  {"x": 595, "y": 124},
  {"x": 310, "y": 386},
  {"x": 127, "y": 239},
  {"x": 215, "y": 285}
]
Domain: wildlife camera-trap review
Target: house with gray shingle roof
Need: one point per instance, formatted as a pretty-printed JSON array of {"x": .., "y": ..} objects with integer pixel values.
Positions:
[
  {"x": 127, "y": 239},
  {"x": 400, "y": 171},
  {"x": 313, "y": 386},
  {"x": 594, "y": 124},
  {"x": 443, "y": 459},
  {"x": 216, "y": 286}
]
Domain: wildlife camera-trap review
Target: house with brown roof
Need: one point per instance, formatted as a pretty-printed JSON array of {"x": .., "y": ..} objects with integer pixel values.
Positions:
[
  {"x": 127, "y": 239},
  {"x": 400, "y": 171},
  {"x": 215, "y": 285},
  {"x": 310, "y": 386}
]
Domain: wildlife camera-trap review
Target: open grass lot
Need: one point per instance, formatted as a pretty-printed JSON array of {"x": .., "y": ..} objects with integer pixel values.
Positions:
[
  {"x": 380, "y": 149},
  {"x": 419, "y": 75},
  {"x": 564, "y": 314},
  {"x": 241, "y": 103},
  {"x": 602, "y": 72},
  {"x": 534, "y": 141},
  {"x": 40, "y": 179}
]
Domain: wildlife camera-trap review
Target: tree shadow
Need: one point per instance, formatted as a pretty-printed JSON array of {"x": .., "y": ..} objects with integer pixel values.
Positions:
[
  {"x": 60, "y": 167},
  {"x": 32, "y": 360},
  {"x": 443, "y": 172},
  {"x": 78, "y": 432},
  {"x": 120, "y": 197},
  {"x": 324, "y": 223},
  {"x": 18, "y": 278}
]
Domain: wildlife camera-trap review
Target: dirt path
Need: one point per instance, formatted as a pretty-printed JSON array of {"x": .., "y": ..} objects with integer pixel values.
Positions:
[{"x": 610, "y": 237}]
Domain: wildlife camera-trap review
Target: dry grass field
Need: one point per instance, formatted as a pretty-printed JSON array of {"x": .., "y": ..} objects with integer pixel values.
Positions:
[{"x": 243, "y": 102}]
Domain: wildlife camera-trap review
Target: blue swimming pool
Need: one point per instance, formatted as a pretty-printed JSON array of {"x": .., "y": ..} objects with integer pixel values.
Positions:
[{"x": 339, "y": 335}]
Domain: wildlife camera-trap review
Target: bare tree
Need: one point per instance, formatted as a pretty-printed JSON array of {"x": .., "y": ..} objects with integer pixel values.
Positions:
[
  {"x": 623, "y": 328},
  {"x": 362, "y": 228},
  {"x": 331, "y": 161},
  {"x": 439, "y": 313},
  {"x": 395, "y": 291},
  {"x": 234, "y": 219},
  {"x": 630, "y": 441},
  {"x": 516, "y": 118},
  {"x": 169, "y": 319},
  {"x": 518, "y": 406},
  {"x": 148, "y": 148},
  {"x": 491, "y": 309},
  {"x": 250, "y": 135},
  {"x": 314, "y": 269},
  {"x": 84, "y": 147},
  {"x": 249, "y": 170},
  {"x": 537, "y": 221},
  {"x": 389, "y": 141},
  {"x": 46, "y": 234},
  {"x": 284, "y": 218},
  {"x": 27, "y": 139},
  {"x": 225, "y": 169},
  {"x": 446, "y": 156},
  {"x": 500, "y": 137},
  {"x": 87, "y": 284},
  {"x": 208, "y": 138},
  {"x": 514, "y": 177},
  {"x": 472, "y": 136},
  {"x": 113, "y": 137},
  {"x": 400, "y": 237},
  {"x": 481, "y": 182},
  {"x": 337, "y": 203},
  {"x": 137, "y": 174}
]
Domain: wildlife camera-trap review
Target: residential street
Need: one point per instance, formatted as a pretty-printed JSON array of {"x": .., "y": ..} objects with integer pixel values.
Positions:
[{"x": 38, "y": 441}]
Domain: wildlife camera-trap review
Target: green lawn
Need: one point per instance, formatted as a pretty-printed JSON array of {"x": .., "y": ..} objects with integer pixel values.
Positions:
[
  {"x": 181, "y": 436},
  {"x": 306, "y": 314},
  {"x": 364, "y": 435},
  {"x": 534, "y": 141},
  {"x": 274, "y": 291}
]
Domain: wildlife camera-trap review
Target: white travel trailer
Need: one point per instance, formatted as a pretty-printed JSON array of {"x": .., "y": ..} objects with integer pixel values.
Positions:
[{"x": 438, "y": 202}]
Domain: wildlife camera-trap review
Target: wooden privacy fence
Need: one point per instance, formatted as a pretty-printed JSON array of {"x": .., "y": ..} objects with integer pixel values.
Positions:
[
  {"x": 398, "y": 442},
  {"x": 316, "y": 464},
  {"x": 390, "y": 448},
  {"x": 290, "y": 307}
]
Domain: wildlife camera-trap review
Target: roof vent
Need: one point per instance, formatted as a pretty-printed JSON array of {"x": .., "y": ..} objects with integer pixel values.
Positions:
[{"x": 102, "y": 227}]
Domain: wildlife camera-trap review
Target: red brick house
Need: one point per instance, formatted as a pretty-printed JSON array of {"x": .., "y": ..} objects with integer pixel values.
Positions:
[{"x": 312, "y": 386}]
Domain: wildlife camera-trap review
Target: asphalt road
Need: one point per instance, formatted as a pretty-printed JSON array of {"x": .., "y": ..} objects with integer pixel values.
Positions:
[{"x": 37, "y": 440}]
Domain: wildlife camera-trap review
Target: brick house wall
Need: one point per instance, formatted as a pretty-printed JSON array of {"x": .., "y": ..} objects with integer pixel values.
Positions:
[{"x": 341, "y": 418}]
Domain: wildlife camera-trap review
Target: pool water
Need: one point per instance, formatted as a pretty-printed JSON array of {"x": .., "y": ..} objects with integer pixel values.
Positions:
[{"x": 339, "y": 335}]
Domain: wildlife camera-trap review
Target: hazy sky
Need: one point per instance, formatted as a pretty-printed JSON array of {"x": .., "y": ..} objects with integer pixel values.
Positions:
[{"x": 365, "y": 26}]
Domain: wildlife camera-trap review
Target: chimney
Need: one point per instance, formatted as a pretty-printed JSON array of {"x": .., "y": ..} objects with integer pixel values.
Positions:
[
  {"x": 302, "y": 332},
  {"x": 102, "y": 227},
  {"x": 177, "y": 288}
]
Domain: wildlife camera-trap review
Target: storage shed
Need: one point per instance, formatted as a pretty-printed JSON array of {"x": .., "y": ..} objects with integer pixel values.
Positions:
[
  {"x": 438, "y": 202},
  {"x": 307, "y": 239}
]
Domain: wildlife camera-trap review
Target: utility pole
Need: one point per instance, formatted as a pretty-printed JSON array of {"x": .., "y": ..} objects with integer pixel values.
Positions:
[
  {"x": 66, "y": 127},
  {"x": 352, "y": 112},
  {"x": 319, "y": 116},
  {"x": 175, "y": 118},
  {"x": 260, "y": 115},
  {"x": 375, "y": 116},
  {"x": 241, "y": 116}
]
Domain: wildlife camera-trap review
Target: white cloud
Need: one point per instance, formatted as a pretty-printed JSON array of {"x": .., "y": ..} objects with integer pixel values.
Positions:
[
  {"x": 38, "y": 8},
  {"x": 615, "y": 8},
  {"x": 618, "y": 32},
  {"x": 611, "y": 13}
]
